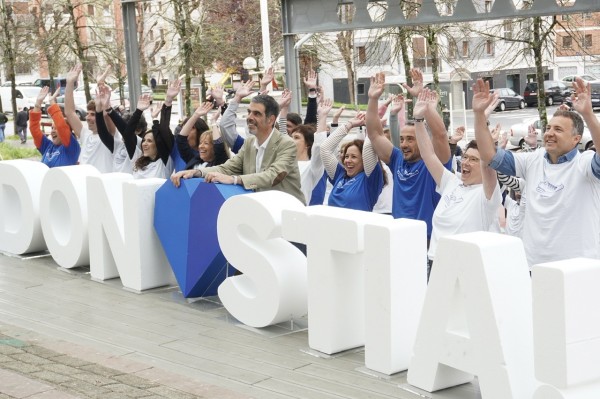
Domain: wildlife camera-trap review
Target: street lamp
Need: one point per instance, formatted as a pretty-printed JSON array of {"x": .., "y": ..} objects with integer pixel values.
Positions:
[{"x": 249, "y": 63}]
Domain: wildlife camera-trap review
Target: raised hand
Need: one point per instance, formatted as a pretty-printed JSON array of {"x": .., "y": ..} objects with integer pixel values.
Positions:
[
  {"x": 582, "y": 100},
  {"x": 173, "y": 90},
  {"x": 204, "y": 108},
  {"x": 40, "y": 97},
  {"x": 286, "y": 99},
  {"x": 100, "y": 80},
  {"x": 482, "y": 98},
  {"x": 267, "y": 78},
  {"x": 358, "y": 120},
  {"x": 324, "y": 107},
  {"x": 458, "y": 135},
  {"x": 496, "y": 132},
  {"x": 144, "y": 102},
  {"x": 377, "y": 86},
  {"x": 491, "y": 107},
  {"x": 421, "y": 105},
  {"x": 531, "y": 136},
  {"x": 338, "y": 113},
  {"x": 102, "y": 97},
  {"x": 216, "y": 92},
  {"x": 52, "y": 98},
  {"x": 503, "y": 140},
  {"x": 432, "y": 100},
  {"x": 156, "y": 110},
  {"x": 244, "y": 90},
  {"x": 310, "y": 81},
  {"x": 73, "y": 74},
  {"x": 417, "y": 80},
  {"x": 398, "y": 104}
]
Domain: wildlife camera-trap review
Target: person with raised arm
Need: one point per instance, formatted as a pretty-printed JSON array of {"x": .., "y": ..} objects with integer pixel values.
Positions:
[
  {"x": 414, "y": 195},
  {"x": 469, "y": 203},
  {"x": 62, "y": 149},
  {"x": 557, "y": 177},
  {"x": 93, "y": 152},
  {"x": 357, "y": 178}
]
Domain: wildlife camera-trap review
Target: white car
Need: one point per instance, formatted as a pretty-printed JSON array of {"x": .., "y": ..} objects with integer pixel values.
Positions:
[
  {"x": 26, "y": 97},
  {"x": 587, "y": 78},
  {"x": 519, "y": 131},
  {"x": 115, "y": 99}
]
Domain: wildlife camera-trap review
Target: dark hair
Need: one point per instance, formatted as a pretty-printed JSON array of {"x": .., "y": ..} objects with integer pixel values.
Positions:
[
  {"x": 142, "y": 125},
  {"x": 294, "y": 118},
  {"x": 201, "y": 126},
  {"x": 308, "y": 132},
  {"x": 271, "y": 106},
  {"x": 574, "y": 117},
  {"x": 91, "y": 106},
  {"x": 472, "y": 144},
  {"x": 144, "y": 160}
]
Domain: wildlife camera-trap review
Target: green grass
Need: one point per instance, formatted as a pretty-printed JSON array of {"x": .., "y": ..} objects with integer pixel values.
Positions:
[
  {"x": 14, "y": 137},
  {"x": 8, "y": 151}
]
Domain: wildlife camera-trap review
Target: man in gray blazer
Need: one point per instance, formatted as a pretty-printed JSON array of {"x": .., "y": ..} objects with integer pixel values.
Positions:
[{"x": 267, "y": 160}]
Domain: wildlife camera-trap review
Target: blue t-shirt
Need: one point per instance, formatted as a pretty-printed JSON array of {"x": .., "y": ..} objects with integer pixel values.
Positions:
[
  {"x": 359, "y": 192},
  {"x": 318, "y": 194},
  {"x": 414, "y": 189},
  {"x": 59, "y": 155}
]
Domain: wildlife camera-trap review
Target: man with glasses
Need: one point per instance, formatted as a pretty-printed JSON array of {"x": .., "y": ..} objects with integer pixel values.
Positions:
[{"x": 562, "y": 220}]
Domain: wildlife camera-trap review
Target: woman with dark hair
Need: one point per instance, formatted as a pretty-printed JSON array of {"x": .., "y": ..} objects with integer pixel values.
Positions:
[
  {"x": 212, "y": 150},
  {"x": 359, "y": 179},
  {"x": 309, "y": 157}
]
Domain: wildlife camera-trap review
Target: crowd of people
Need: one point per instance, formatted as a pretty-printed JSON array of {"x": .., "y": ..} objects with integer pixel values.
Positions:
[{"x": 550, "y": 197}]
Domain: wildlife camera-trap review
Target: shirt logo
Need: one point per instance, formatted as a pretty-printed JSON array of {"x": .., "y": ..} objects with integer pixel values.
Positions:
[
  {"x": 51, "y": 155},
  {"x": 547, "y": 189},
  {"x": 406, "y": 174},
  {"x": 451, "y": 199}
]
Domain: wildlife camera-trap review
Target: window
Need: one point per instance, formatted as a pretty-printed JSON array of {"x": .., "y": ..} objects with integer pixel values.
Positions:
[
  {"x": 91, "y": 10},
  {"x": 564, "y": 17},
  {"x": 163, "y": 60},
  {"x": 106, "y": 11},
  {"x": 159, "y": 6},
  {"x": 162, "y": 35},
  {"x": 507, "y": 29},
  {"x": 151, "y": 35},
  {"x": 107, "y": 35},
  {"x": 567, "y": 41},
  {"x": 452, "y": 50},
  {"x": 93, "y": 36},
  {"x": 465, "y": 48},
  {"x": 489, "y": 47},
  {"x": 587, "y": 41},
  {"x": 488, "y": 5},
  {"x": 361, "y": 52},
  {"x": 360, "y": 88}
]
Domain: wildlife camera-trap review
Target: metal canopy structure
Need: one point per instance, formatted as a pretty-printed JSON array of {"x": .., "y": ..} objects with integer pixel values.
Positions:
[{"x": 311, "y": 16}]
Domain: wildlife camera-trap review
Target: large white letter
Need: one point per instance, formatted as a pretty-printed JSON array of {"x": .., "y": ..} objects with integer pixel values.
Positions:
[
  {"x": 64, "y": 214},
  {"x": 20, "y": 185},
  {"x": 477, "y": 318},
  {"x": 273, "y": 286},
  {"x": 122, "y": 237},
  {"x": 336, "y": 273},
  {"x": 396, "y": 281},
  {"x": 566, "y": 327}
]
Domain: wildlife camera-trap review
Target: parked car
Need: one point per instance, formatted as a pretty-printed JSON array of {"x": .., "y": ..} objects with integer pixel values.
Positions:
[
  {"x": 518, "y": 132},
  {"x": 595, "y": 96},
  {"x": 115, "y": 99},
  {"x": 588, "y": 78},
  {"x": 508, "y": 99},
  {"x": 145, "y": 90},
  {"x": 62, "y": 82},
  {"x": 80, "y": 106},
  {"x": 555, "y": 91},
  {"x": 25, "y": 96}
]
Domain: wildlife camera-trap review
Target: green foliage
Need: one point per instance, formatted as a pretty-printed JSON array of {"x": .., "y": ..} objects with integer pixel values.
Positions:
[{"x": 9, "y": 151}]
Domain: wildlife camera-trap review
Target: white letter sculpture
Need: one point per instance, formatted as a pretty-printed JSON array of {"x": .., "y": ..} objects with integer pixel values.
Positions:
[
  {"x": 64, "y": 214},
  {"x": 336, "y": 273},
  {"x": 20, "y": 187},
  {"x": 566, "y": 327},
  {"x": 477, "y": 318},
  {"x": 123, "y": 241},
  {"x": 272, "y": 288}
]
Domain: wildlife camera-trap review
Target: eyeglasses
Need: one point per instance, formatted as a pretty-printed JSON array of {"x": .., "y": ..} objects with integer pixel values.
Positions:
[{"x": 469, "y": 159}]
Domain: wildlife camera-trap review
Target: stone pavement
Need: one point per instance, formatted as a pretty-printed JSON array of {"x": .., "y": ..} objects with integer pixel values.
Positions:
[{"x": 30, "y": 370}]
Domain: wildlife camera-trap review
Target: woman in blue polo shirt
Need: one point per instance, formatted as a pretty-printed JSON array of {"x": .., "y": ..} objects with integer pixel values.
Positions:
[{"x": 358, "y": 179}]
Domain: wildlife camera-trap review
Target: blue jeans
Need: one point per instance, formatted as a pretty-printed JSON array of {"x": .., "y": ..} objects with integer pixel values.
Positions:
[
  {"x": 2, "y": 126},
  {"x": 22, "y": 132}
]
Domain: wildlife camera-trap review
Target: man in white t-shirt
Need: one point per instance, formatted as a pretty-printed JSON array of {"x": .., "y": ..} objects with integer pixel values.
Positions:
[
  {"x": 93, "y": 152},
  {"x": 562, "y": 220}
]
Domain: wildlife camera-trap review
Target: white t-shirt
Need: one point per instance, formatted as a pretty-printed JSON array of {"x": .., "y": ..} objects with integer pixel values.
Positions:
[
  {"x": 154, "y": 169},
  {"x": 311, "y": 171},
  {"x": 463, "y": 209},
  {"x": 121, "y": 161},
  {"x": 94, "y": 152},
  {"x": 562, "y": 220},
  {"x": 385, "y": 200},
  {"x": 515, "y": 214}
]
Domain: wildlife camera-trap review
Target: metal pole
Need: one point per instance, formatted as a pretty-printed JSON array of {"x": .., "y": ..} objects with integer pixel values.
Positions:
[
  {"x": 131, "y": 52},
  {"x": 264, "y": 22}
]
